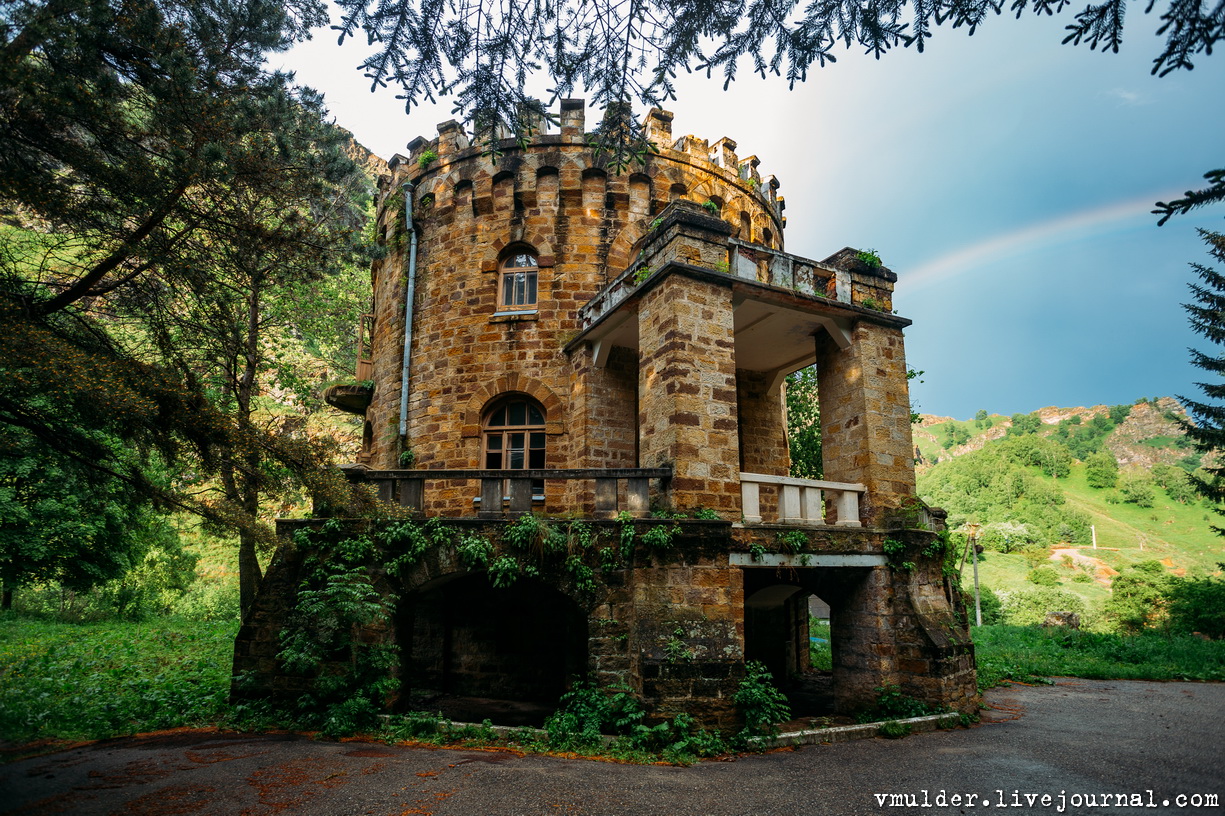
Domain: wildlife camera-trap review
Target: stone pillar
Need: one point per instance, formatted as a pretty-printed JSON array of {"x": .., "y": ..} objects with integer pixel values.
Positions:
[
  {"x": 863, "y": 639},
  {"x": 687, "y": 390},
  {"x": 865, "y": 417}
]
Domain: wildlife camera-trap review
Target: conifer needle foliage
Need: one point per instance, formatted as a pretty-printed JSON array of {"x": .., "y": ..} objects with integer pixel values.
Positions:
[
  {"x": 1207, "y": 317},
  {"x": 629, "y": 51},
  {"x": 165, "y": 203}
]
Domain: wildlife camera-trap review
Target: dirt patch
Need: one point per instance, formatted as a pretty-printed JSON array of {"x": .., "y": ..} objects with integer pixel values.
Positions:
[
  {"x": 171, "y": 801},
  {"x": 1102, "y": 572},
  {"x": 285, "y": 787}
]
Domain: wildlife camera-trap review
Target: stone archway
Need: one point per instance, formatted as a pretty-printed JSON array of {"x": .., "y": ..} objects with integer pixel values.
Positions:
[
  {"x": 777, "y": 633},
  {"x": 476, "y": 651}
]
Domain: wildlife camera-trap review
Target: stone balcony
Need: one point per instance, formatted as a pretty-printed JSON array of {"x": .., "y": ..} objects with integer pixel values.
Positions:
[{"x": 612, "y": 492}]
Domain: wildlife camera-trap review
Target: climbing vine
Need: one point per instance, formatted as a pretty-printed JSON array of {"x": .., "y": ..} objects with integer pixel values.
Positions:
[
  {"x": 331, "y": 637},
  {"x": 336, "y": 601}
]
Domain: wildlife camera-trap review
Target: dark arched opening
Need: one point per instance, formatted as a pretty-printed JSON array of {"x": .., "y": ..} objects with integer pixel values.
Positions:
[
  {"x": 475, "y": 651},
  {"x": 804, "y": 625}
]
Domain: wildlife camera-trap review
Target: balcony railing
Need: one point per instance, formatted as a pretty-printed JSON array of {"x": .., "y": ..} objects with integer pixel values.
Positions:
[
  {"x": 503, "y": 492},
  {"x": 801, "y": 501},
  {"x": 746, "y": 261},
  {"x": 777, "y": 268}
]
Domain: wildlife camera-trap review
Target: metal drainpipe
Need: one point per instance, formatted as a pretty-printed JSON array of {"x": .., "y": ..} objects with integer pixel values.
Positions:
[{"x": 409, "y": 294}]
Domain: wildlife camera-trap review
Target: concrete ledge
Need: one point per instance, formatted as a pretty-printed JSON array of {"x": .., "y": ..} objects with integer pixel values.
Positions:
[
  {"x": 846, "y": 733},
  {"x": 812, "y": 736}
]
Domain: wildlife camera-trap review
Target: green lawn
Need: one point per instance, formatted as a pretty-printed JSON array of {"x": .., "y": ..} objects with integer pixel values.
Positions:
[
  {"x": 96, "y": 680},
  {"x": 1169, "y": 530},
  {"x": 92, "y": 681},
  {"x": 1029, "y": 652}
]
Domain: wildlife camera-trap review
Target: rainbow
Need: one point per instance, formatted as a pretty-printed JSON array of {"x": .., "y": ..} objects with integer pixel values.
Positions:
[{"x": 1064, "y": 229}]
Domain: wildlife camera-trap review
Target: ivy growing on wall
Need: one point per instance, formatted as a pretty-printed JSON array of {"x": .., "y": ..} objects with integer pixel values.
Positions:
[{"x": 331, "y": 637}]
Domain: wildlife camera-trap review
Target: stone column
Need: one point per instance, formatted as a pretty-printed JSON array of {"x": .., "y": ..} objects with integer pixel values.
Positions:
[
  {"x": 865, "y": 417},
  {"x": 864, "y": 648},
  {"x": 687, "y": 390}
]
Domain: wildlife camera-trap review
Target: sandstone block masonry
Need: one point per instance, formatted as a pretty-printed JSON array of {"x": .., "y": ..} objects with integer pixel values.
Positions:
[{"x": 613, "y": 349}]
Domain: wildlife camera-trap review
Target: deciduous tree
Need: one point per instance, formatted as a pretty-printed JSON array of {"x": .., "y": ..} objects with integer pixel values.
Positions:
[
  {"x": 149, "y": 163},
  {"x": 804, "y": 424}
]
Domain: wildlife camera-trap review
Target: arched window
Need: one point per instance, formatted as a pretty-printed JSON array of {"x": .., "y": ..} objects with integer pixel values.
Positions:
[
  {"x": 517, "y": 281},
  {"x": 514, "y": 435}
]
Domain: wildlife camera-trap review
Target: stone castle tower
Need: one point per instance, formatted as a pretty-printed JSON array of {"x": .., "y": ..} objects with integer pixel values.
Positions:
[{"x": 550, "y": 337}]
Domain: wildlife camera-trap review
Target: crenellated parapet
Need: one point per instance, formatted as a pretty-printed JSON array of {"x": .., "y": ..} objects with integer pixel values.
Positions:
[{"x": 556, "y": 167}]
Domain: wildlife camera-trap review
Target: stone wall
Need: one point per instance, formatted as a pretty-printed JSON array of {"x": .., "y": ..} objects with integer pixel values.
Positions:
[
  {"x": 670, "y": 624},
  {"x": 585, "y": 225},
  {"x": 763, "y": 429},
  {"x": 865, "y": 416}
]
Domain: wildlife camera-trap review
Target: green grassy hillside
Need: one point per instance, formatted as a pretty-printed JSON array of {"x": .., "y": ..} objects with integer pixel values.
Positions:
[{"x": 986, "y": 474}]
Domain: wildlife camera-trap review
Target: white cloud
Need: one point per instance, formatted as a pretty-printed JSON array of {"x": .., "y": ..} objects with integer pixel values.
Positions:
[{"x": 1129, "y": 98}]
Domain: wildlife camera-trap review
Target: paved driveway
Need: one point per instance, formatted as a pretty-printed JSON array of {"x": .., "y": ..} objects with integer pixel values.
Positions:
[{"x": 1148, "y": 742}]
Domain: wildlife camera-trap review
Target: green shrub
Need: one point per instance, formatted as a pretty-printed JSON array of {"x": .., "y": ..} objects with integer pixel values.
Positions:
[
  {"x": 760, "y": 703},
  {"x": 586, "y": 713},
  {"x": 869, "y": 258},
  {"x": 1101, "y": 470},
  {"x": 1137, "y": 596},
  {"x": 1030, "y": 607},
  {"x": 1043, "y": 576},
  {"x": 988, "y": 603},
  {"x": 820, "y": 654},
  {"x": 892, "y": 703},
  {"x": 1198, "y": 605},
  {"x": 1136, "y": 487},
  {"x": 1176, "y": 482}
]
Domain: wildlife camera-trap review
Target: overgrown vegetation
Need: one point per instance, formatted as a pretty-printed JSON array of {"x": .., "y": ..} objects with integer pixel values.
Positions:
[
  {"x": 1028, "y": 653},
  {"x": 1001, "y": 485},
  {"x": 804, "y": 424},
  {"x": 94, "y": 680}
]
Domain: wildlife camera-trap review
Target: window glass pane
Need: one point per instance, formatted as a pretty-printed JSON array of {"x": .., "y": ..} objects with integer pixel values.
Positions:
[
  {"x": 534, "y": 416},
  {"x": 520, "y": 260},
  {"x": 518, "y": 413},
  {"x": 493, "y": 460},
  {"x": 508, "y": 289},
  {"x": 498, "y": 418},
  {"x": 516, "y": 459},
  {"x": 529, "y": 295},
  {"x": 535, "y": 458},
  {"x": 537, "y": 440},
  {"x": 495, "y": 441}
]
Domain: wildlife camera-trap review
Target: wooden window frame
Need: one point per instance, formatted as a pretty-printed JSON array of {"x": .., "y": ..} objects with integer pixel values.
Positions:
[
  {"x": 534, "y": 439},
  {"x": 519, "y": 286}
]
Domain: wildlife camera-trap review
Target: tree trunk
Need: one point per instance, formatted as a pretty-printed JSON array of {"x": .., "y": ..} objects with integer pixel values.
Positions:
[{"x": 245, "y": 486}]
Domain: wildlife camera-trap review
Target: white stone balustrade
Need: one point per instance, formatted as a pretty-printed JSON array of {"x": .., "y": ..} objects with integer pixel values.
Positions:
[{"x": 800, "y": 501}]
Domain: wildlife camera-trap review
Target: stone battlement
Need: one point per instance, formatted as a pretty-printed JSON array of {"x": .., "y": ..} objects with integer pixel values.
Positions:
[{"x": 571, "y": 147}]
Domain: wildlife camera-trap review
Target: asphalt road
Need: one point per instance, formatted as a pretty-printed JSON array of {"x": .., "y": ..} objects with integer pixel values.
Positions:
[{"x": 1078, "y": 738}]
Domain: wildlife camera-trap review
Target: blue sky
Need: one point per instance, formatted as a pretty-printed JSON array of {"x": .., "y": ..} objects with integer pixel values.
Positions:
[{"x": 1006, "y": 178}]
